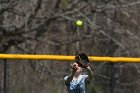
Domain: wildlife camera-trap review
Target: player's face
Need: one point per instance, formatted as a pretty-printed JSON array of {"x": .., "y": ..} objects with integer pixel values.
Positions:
[{"x": 79, "y": 69}]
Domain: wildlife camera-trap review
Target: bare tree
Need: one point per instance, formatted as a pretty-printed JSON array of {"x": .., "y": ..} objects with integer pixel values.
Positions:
[{"x": 111, "y": 28}]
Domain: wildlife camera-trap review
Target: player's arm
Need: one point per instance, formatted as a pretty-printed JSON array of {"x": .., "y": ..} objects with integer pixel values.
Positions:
[
  {"x": 70, "y": 77},
  {"x": 85, "y": 64},
  {"x": 90, "y": 74}
]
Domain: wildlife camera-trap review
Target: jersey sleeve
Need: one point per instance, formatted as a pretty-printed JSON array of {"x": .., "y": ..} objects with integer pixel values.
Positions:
[
  {"x": 85, "y": 76},
  {"x": 65, "y": 78}
]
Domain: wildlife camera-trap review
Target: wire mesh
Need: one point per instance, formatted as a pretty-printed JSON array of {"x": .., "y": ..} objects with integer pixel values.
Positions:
[{"x": 32, "y": 76}]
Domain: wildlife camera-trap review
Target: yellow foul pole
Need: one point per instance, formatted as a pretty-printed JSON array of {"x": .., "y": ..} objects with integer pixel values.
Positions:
[{"x": 67, "y": 58}]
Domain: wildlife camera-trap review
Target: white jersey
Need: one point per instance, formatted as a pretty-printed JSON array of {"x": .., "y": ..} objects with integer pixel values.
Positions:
[{"x": 77, "y": 85}]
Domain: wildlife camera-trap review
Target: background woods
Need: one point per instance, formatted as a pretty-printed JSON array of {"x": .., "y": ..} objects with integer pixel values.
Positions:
[{"x": 111, "y": 28}]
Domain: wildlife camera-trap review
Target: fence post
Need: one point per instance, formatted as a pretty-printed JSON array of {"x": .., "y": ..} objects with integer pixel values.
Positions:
[
  {"x": 5, "y": 76},
  {"x": 112, "y": 79}
]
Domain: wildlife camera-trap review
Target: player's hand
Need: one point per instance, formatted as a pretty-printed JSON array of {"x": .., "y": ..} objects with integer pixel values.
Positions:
[
  {"x": 74, "y": 67},
  {"x": 82, "y": 60}
]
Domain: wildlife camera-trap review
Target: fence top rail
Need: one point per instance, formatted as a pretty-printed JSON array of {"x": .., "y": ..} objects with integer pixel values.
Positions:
[{"x": 68, "y": 58}]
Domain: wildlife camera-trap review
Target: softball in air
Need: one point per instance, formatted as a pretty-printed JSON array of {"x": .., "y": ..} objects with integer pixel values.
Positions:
[{"x": 79, "y": 23}]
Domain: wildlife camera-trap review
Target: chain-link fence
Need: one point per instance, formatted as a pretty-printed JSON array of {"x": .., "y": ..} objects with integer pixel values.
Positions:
[{"x": 32, "y": 76}]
